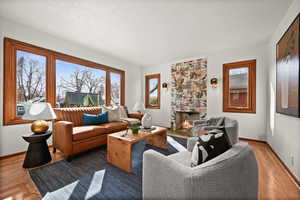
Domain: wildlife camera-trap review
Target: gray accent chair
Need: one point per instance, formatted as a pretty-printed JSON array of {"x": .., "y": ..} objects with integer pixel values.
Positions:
[
  {"x": 231, "y": 127},
  {"x": 232, "y": 175}
]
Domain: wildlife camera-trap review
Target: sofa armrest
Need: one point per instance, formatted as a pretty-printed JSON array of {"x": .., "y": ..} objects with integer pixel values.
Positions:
[
  {"x": 136, "y": 115},
  {"x": 63, "y": 136},
  {"x": 169, "y": 184},
  {"x": 191, "y": 143}
]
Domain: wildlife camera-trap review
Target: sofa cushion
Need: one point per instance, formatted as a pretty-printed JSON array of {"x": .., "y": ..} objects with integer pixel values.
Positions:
[
  {"x": 84, "y": 132},
  {"x": 114, "y": 126}
]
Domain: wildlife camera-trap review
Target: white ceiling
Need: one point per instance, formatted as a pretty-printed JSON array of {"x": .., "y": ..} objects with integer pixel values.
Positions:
[{"x": 148, "y": 32}]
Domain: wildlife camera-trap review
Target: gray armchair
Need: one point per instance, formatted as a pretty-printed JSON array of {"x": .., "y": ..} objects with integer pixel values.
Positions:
[
  {"x": 231, "y": 126},
  {"x": 232, "y": 175}
]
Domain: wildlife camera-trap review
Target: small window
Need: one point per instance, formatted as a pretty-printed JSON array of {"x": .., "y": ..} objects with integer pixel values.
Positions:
[
  {"x": 152, "y": 96},
  {"x": 239, "y": 90}
]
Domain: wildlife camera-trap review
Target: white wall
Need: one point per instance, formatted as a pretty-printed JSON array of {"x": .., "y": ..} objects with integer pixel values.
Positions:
[
  {"x": 10, "y": 136},
  {"x": 251, "y": 125},
  {"x": 283, "y": 132}
]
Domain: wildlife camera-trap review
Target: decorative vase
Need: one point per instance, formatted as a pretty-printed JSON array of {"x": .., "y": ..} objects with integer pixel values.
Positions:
[{"x": 147, "y": 121}]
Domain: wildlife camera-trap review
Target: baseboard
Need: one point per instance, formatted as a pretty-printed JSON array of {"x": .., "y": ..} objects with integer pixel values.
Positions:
[
  {"x": 253, "y": 140},
  {"x": 17, "y": 154},
  {"x": 293, "y": 177}
]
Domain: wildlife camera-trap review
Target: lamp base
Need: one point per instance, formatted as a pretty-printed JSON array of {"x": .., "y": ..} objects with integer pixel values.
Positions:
[{"x": 39, "y": 126}]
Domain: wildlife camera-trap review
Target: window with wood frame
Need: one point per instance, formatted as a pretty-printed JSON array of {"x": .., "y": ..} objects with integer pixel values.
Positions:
[
  {"x": 239, "y": 87},
  {"x": 152, "y": 88},
  {"x": 34, "y": 74}
]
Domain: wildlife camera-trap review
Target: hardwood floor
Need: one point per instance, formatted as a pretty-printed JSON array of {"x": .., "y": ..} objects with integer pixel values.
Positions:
[{"x": 275, "y": 182}]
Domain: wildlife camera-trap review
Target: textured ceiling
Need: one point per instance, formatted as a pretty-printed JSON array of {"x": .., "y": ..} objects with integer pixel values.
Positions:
[{"x": 148, "y": 32}]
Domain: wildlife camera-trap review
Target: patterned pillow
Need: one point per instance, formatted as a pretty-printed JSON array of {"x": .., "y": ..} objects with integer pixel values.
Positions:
[
  {"x": 210, "y": 146},
  {"x": 123, "y": 112},
  {"x": 113, "y": 113},
  {"x": 220, "y": 121}
]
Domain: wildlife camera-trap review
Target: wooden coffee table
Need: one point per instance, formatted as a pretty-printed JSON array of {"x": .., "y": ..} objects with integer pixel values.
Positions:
[{"x": 119, "y": 145}]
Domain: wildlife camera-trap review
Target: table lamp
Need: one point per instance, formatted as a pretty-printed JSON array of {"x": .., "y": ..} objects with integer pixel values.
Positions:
[
  {"x": 138, "y": 107},
  {"x": 39, "y": 112}
]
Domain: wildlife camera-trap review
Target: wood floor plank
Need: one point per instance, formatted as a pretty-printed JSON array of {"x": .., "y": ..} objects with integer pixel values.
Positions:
[{"x": 274, "y": 180}]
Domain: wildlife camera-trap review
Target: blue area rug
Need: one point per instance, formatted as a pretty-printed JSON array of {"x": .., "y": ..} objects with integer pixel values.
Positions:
[{"x": 89, "y": 176}]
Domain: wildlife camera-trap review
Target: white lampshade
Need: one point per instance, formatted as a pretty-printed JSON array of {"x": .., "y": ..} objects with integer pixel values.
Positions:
[
  {"x": 39, "y": 111},
  {"x": 139, "y": 106}
]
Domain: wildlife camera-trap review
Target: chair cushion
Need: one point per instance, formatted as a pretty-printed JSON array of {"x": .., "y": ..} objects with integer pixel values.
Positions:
[
  {"x": 183, "y": 157},
  {"x": 114, "y": 126},
  {"x": 84, "y": 132}
]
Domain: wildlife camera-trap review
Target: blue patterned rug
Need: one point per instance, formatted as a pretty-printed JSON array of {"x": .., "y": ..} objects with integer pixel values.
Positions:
[{"x": 89, "y": 176}]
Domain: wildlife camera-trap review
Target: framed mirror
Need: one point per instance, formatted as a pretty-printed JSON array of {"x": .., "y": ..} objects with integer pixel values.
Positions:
[{"x": 239, "y": 87}]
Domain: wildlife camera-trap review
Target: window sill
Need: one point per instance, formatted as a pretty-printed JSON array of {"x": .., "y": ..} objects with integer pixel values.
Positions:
[{"x": 152, "y": 107}]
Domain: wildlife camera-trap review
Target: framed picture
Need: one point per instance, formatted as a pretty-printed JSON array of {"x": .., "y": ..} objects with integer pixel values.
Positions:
[{"x": 287, "y": 71}]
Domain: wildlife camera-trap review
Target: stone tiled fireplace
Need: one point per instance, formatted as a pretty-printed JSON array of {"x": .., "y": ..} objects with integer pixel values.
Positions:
[{"x": 188, "y": 93}]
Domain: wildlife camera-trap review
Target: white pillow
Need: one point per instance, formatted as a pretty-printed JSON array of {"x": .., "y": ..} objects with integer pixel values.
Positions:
[
  {"x": 113, "y": 113},
  {"x": 123, "y": 113}
]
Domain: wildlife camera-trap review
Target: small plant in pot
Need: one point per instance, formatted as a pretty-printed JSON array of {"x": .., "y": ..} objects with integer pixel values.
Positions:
[{"x": 135, "y": 129}]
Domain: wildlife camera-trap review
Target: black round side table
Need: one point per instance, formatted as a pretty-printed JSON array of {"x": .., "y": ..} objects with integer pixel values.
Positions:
[{"x": 37, "y": 153}]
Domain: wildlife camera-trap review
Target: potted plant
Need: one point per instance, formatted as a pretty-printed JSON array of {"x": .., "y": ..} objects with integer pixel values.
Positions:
[{"x": 135, "y": 129}]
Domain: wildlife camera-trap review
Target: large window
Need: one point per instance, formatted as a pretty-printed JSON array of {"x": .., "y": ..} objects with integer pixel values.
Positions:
[
  {"x": 115, "y": 88},
  {"x": 78, "y": 86},
  {"x": 152, "y": 96},
  {"x": 31, "y": 80},
  {"x": 34, "y": 74},
  {"x": 239, "y": 87}
]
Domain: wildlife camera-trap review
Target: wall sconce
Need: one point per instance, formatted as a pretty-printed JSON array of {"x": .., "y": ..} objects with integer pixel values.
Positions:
[
  {"x": 164, "y": 85},
  {"x": 214, "y": 82}
]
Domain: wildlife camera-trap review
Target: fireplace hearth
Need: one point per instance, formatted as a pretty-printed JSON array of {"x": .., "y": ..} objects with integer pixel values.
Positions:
[{"x": 184, "y": 120}]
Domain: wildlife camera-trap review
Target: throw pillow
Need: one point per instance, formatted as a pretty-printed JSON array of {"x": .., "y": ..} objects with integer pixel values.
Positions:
[
  {"x": 209, "y": 146},
  {"x": 113, "y": 113},
  {"x": 89, "y": 119},
  {"x": 123, "y": 112},
  {"x": 213, "y": 121},
  {"x": 220, "y": 121}
]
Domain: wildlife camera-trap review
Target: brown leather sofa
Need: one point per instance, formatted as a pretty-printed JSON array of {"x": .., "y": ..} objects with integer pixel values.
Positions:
[{"x": 71, "y": 137}]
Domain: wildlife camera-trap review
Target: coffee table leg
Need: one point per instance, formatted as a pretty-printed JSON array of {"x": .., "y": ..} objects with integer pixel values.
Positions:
[
  {"x": 158, "y": 140},
  {"x": 119, "y": 153}
]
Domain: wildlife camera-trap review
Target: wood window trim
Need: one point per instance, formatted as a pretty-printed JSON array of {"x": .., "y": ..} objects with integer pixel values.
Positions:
[
  {"x": 251, "y": 65},
  {"x": 147, "y": 95},
  {"x": 11, "y": 46}
]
